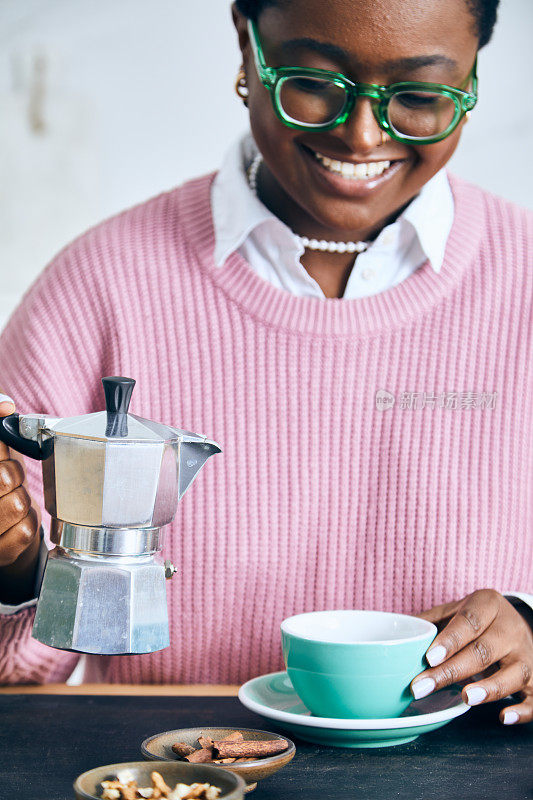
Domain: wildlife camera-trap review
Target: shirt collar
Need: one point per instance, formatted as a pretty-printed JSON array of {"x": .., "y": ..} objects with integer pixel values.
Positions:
[
  {"x": 237, "y": 211},
  {"x": 430, "y": 214}
]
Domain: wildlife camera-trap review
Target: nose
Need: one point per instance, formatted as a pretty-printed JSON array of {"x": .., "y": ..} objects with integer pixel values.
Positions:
[{"x": 361, "y": 132}]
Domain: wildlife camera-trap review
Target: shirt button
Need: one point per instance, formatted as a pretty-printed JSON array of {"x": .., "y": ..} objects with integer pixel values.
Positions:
[{"x": 367, "y": 273}]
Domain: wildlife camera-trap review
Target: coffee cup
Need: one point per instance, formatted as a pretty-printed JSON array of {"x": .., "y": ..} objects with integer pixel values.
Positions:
[{"x": 355, "y": 664}]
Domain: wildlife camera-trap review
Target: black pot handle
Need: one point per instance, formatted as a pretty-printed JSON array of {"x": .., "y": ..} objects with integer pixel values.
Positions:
[{"x": 9, "y": 433}]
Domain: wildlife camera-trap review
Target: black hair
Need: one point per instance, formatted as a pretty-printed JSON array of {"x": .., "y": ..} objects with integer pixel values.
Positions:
[{"x": 484, "y": 13}]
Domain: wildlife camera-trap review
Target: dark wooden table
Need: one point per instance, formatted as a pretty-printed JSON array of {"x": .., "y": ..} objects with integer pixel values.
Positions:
[{"x": 47, "y": 740}]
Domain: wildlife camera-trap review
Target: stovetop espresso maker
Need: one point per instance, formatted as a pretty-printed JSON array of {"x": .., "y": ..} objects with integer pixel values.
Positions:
[{"x": 112, "y": 480}]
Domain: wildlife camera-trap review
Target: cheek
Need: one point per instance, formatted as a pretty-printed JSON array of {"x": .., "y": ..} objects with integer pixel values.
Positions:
[
  {"x": 260, "y": 108},
  {"x": 273, "y": 138},
  {"x": 271, "y": 135},
  {"x": 432, "y": 157},
  {"x": 263, "y": 121}
]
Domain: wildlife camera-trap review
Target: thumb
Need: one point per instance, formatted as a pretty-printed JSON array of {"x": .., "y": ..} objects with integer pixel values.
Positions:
[
  {"x": 7, "y": 405},
  {"x": 439, "y": 613}
]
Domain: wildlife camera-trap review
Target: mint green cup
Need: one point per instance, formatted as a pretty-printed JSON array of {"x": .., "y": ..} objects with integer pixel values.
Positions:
[{"x": 355, "y": 664}]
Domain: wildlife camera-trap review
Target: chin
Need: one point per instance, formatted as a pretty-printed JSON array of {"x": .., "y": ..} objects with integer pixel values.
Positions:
[{"x": 344, "y": 219}]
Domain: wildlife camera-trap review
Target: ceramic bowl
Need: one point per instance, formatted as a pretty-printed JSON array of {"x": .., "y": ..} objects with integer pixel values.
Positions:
[
  {"x": 355, "y": 664},
  {"x": 160, "y": 747},
  {"x": 87, "y": 785}
]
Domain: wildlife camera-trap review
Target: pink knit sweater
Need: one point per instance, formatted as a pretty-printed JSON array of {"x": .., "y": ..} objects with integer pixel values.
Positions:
[{"x": 320, "y": 499}]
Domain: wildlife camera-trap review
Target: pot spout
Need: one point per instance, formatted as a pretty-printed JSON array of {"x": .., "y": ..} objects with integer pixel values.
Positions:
[{"x": 193, "y": 453}]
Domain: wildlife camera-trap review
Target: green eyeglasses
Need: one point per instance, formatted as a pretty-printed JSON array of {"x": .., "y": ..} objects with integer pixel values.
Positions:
[{"x": 319, "y": 100}]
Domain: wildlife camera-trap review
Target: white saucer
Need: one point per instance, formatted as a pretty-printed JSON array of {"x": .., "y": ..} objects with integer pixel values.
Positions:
[{"x": 273, "y": 696}]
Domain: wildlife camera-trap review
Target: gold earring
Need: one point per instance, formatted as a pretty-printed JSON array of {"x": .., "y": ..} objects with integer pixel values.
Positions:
[
  {"x": 467, "y": 116},
  {"x": 241, "y": 87},
  {"x": 384, "y": 137}
]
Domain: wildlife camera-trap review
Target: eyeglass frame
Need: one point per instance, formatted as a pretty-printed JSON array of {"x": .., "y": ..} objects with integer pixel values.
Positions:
[{"x": 273, "y": 78}]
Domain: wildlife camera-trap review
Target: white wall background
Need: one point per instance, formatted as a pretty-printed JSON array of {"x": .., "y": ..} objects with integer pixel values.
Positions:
[{"x": 107, "y": 102}]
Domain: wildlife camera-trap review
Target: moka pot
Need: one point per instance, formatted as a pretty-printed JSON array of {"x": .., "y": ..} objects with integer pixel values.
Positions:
[{"x": 112, "y": 481}]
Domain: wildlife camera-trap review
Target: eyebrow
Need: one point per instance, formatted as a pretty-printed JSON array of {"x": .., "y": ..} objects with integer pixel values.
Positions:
[{"x": 338, "y": 54}]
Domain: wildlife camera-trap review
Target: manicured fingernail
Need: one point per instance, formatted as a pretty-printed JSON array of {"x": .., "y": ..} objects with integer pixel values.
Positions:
[
  {"x": 5, "y": 398},
  {"x": 436, "y": 655},
  {"x": 423, "y": 687},
  {"x": 510, "y": 717},
  {"x": 475, "y": 695}
]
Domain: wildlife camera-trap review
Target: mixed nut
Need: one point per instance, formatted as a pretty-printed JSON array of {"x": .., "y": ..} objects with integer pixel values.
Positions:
[{"x": 129, "y": 790}]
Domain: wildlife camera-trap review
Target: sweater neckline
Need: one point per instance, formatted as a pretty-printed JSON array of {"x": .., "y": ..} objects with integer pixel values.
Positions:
[{"x": 411, "y": 299}]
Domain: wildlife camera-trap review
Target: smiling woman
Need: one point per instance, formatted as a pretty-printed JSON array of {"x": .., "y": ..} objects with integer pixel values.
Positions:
[
  {"x": 353, "y": 325},
  {"x": 359, "y": 152}
]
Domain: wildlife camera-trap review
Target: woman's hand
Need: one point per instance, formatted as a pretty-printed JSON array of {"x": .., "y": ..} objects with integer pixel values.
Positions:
[
  {"x": 484, "y": 632},
  {"x": 19, "y": 526}
]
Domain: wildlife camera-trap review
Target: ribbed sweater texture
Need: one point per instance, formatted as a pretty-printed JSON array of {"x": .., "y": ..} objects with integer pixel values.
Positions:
[{"x": 320, "y": 498}]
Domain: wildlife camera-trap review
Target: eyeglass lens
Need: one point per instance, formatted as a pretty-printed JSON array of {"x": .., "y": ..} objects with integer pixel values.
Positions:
[
  {"x": 313, "y": 101},
  {"x": 316, "y": 101},
  {"x": 421, "y": 114}
]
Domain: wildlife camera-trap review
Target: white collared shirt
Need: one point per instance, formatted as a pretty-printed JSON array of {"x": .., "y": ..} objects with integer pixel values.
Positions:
[{"x": 242, "y": 223}]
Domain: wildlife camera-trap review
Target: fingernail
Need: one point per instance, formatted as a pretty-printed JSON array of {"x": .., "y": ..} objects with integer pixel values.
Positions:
[
  {"x": 436, "y": 655},
  {"x": 510, "y": 717},
  {"x": 475, "y": 695},
  {"x": 5, "y": 398},
  {"x": 423, "y": 687}
]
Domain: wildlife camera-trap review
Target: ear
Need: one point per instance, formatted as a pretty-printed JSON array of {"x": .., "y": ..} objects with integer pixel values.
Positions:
[{"x": 241, "y": 26}]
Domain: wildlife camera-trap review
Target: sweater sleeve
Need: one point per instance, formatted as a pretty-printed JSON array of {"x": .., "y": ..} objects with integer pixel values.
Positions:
[
  {"x": 53, "y": 353},
  {"x": 41, "y": 563},
  {"x": 523, "y": 603}
]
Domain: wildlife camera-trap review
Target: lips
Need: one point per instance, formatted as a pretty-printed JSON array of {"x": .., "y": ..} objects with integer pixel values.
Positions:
[
  {"x": 349, "y": 169},
  {"x": 350, "y": 177}
]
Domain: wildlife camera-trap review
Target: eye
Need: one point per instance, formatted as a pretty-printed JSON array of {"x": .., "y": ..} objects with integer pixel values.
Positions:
[
  {"x": 418, "y": 99},
  {"x": 311, "y": 85}
]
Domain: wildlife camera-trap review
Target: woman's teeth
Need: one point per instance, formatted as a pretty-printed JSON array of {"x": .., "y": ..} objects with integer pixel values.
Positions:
[{"x": 354, "y": 171}]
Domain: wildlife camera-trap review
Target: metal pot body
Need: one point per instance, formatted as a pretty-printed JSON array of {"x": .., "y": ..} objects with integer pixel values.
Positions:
[
  {"x": 112, "y": 484},
  {"x": 103, "y": 605}
]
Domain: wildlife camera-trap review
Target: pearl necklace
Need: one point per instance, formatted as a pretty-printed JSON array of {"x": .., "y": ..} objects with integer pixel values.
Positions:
[{"x": 303, "y": 241}]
